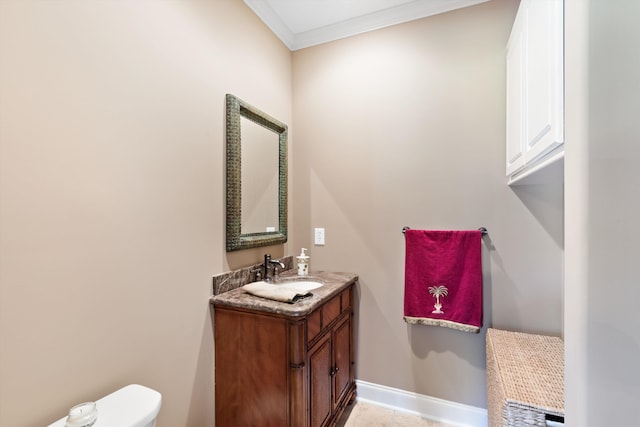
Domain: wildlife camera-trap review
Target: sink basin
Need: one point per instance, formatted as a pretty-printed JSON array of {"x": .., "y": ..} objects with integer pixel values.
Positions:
[{"x": 301, "y": 285}]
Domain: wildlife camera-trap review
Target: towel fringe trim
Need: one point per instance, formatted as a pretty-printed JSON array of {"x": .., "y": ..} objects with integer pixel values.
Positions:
[{"x": 445, "y": 323}]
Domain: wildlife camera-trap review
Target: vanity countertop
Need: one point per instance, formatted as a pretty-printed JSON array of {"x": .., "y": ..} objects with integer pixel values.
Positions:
[{"x": 334, "y": 283}]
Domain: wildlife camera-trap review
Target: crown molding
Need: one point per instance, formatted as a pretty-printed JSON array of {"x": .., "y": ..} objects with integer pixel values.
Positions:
[
  {"x": 373, "y": 21},
  {"x": 273, "y": 21}
]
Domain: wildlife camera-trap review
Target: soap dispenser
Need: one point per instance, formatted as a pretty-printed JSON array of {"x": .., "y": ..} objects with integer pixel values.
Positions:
[{"x": 303, "y": 263}]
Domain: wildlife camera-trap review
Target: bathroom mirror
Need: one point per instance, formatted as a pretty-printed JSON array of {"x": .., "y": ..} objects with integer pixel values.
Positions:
[{"x": 256, "y": 177}]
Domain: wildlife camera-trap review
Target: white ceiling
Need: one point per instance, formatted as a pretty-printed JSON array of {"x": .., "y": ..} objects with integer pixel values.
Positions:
[{"x": 304, "y": 23}]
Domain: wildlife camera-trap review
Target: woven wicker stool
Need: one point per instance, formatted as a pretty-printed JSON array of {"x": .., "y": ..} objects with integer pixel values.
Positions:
[{"x": 525, "y": 378}]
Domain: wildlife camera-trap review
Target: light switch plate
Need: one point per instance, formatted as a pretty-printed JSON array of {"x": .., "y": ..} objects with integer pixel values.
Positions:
[{"x": 318, "y": 236}]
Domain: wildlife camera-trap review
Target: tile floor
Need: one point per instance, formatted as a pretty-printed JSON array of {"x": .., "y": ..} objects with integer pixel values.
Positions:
[{"x": 363, "y": 414}]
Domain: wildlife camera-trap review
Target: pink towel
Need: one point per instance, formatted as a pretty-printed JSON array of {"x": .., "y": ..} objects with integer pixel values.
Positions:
[{"x": 443, "y": 279}]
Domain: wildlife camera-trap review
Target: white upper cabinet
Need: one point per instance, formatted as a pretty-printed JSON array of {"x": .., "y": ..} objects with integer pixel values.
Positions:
[
  {"x": 515, "y": 96},
  {"x": 535, "y": 85}
]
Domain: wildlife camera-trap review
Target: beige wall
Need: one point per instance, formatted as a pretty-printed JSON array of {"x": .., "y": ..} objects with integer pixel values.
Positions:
[
  {"x": 602, "y": 270},
  {"x": 405, "y": 127},
  {"x": 112, "y": 195},
  {"x": 112, "y": 192}
]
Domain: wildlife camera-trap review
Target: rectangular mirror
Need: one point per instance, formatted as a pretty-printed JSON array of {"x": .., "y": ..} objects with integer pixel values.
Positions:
[{"x": 256, "y": 177}]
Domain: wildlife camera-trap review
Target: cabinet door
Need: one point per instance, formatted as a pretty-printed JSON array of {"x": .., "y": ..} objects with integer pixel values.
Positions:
[
  {"x": 544, "y": 77},
  {"x": 515, "y": 94},
  {"x": 250, "y": 363},
  {"x": 535, "y": 84},
  {"x": 342, "y": 359},
  {"x": 320, "y": 368}
]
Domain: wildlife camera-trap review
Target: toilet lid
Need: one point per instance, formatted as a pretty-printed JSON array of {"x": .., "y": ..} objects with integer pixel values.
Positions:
[{"x": 131, "y": 406}]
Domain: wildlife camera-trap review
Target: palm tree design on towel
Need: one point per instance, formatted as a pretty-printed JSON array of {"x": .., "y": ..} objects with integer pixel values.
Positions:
[{"x": 437, "y": 292}]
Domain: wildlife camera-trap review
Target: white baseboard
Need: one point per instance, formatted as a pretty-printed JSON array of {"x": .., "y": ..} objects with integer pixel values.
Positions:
[{"x": 429, "y": 407}]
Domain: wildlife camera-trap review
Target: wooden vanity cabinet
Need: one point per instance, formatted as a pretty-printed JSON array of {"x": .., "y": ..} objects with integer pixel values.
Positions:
[
  {"x": 278, "y": 370},
  {"x": 329, "y": 372}
]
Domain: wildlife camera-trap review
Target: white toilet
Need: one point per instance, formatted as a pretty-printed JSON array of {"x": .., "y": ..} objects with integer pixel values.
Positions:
[{"x": 131, "y": 406}]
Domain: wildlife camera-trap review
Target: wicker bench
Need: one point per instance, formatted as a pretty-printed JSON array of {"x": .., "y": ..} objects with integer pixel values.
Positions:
[{"x": 525, "y": 379}]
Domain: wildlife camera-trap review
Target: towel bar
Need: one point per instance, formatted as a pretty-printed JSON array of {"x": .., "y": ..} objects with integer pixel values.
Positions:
[{"x": 482, "y": 229}]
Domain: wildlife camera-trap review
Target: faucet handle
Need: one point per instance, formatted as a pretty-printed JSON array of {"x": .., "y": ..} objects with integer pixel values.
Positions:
[
  {"x": 257, "y": 272},
  {"x": 265, "y": 268}
]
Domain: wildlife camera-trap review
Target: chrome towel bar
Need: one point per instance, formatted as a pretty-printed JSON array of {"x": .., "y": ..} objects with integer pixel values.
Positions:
[{"x": 482, "y": 229}]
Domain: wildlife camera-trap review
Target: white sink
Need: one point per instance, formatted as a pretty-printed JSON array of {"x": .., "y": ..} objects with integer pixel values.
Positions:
[{"x": 301, "y": 285}]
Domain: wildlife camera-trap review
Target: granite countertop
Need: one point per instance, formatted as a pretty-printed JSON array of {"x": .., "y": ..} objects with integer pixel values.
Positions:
[{"x": 334, "y": 283}]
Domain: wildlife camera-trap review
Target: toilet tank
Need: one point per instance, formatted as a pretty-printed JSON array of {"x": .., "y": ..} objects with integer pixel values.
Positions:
[{"x": 131, "y": 406}]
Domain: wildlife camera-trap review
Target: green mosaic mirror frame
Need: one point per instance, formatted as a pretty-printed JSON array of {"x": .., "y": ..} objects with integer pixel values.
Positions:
[{"x": 237, "y": 108}]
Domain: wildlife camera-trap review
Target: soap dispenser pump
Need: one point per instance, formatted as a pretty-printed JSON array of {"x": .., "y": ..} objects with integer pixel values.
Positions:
[{"x": 303, "y": 263}]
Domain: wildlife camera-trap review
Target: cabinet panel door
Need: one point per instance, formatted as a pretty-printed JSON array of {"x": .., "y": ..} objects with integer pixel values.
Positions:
[
  {"x": 544, "y": 77},
  {"x": 320, "y": 381},
  {"x": 342, "y": 358},
  {"x": 242, "y": 380},
  {"x": 515, "y": 95},
  {"x": 535, "y": 84}
]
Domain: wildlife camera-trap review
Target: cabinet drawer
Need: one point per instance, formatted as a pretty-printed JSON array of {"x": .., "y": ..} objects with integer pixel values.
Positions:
[
  {"x": 330, "y": 311},
  {"x": 345, "y": 299}
]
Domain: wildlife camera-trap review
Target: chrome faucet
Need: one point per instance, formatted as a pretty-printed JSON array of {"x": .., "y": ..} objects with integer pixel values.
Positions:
[{"x": 271, "y": 265}]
